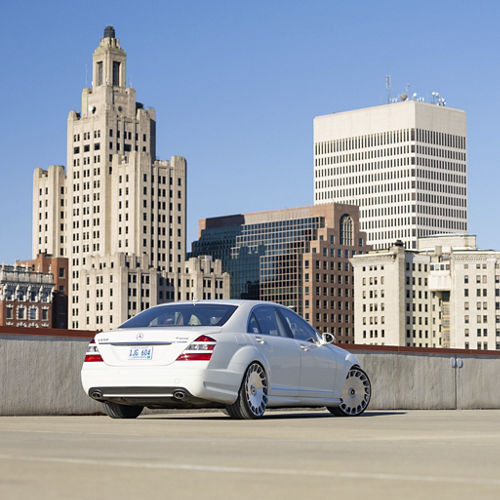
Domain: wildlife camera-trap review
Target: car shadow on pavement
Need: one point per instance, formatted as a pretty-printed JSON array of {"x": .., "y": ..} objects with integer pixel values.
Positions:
[
  {"x": 270, "y": 415},
  {"x": 382, "y": 413}
]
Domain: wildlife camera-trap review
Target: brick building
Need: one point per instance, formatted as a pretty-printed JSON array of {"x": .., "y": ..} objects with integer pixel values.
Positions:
[
  {"x": 58, "y": 267},
  {"x": 26, "y": 297}
]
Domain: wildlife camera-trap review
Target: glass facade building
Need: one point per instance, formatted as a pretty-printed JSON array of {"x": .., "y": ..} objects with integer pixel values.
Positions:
[{"x": 297, "y": 257}]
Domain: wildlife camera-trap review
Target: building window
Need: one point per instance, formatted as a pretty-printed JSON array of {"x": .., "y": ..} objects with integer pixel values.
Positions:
[
  {"x": 116, "y": 73},
  {"x": 346, "y": 230},
  {"x": 99, "y": 73}
]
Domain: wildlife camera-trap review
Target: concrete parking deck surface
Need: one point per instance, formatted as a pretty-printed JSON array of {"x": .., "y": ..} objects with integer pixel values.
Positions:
[{"x": 394, "y": 454}]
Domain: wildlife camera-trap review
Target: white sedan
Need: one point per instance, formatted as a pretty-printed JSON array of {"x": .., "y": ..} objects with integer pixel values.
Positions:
[{"x": 244, "y": 356}]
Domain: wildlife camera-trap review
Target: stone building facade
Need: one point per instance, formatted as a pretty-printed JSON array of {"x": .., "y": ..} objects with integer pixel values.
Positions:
[
  {"x": 446, "y": 293},
  {"x": 116, "y": 212},
  {"x": 203, "y": 279}
]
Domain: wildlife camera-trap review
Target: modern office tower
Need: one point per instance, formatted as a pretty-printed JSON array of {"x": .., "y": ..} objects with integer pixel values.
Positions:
[
  {"x": 298, "y": 257},
  {"x": 25, "y": 297},
  {"x": 118, "y": 214},
  {"x": 446, "y": 293},
  {"x": 404, "y": 165}
]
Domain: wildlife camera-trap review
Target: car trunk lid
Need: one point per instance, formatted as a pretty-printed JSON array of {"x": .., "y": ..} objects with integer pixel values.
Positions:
[{"x": 148, "y": 346}]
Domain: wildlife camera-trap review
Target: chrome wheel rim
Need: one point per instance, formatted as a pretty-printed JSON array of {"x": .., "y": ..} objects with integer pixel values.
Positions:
[
  {"x": 357, "y": 392},
  {"x": 256, "y": 389}
]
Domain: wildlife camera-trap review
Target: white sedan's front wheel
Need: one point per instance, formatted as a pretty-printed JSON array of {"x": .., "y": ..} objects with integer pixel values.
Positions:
[
  {"x": 356, "y": 395},
  {"x": 252, "y": 398}
]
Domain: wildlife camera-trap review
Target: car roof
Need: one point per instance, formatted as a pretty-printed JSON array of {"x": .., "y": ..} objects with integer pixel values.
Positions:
[
  {"x": 236, "y": 302},
  {"x": 244, "y": 306},
  {"x": 237, "y": 321}
]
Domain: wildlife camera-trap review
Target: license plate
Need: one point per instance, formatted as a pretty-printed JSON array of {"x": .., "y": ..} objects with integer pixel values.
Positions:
[{"x": 140, "y": 353}]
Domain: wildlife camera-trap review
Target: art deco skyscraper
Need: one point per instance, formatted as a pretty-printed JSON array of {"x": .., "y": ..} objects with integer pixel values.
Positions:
[{"x": 119, "y": 214}]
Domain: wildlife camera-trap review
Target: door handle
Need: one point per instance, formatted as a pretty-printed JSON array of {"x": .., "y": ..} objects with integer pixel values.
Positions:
[
  {"x": 304, "y": 347},
  {"x": 260, "y": 340}
]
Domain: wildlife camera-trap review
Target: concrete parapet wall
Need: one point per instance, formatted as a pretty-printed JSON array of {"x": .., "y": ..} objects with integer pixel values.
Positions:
[
  {"x": 477, "y": 383},
  {"x": 428, "y": 381},
  {"x": 40, "y": 375},
  {"x": 409, "y": 381}
]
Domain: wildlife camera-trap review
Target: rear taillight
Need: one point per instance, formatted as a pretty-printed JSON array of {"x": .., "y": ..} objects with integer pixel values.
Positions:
[
  {"x": 200, "y": 349},
  {"x": 92, "y": 353}
]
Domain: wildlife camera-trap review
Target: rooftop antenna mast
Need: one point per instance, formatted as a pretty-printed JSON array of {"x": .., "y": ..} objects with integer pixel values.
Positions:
[{"x": 388, "y": 87}]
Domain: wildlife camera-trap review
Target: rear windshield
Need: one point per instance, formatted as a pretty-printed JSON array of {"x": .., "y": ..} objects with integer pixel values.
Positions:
[{"x": 182, "y": 315}]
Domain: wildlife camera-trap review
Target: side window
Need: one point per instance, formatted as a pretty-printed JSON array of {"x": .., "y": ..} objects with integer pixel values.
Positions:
[
  {"x": 253, "y": 326},
  {"x": 301, "y": 330},
  {"x": 269, "y": 321}
]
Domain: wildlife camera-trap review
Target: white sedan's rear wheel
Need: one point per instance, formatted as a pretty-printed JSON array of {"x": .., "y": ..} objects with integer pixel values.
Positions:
[
  {"x": 252, "y": 398},
  {"x": 356, "y": 395}
]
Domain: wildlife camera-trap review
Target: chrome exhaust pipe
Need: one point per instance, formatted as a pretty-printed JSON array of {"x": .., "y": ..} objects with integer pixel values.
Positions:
[
  {"x": 179, "y": 395},
  {"x": 96, "y": 394}
]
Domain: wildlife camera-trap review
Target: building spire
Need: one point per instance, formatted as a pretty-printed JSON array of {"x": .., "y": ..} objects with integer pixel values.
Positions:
[
  {"x": 109, "y": 32},
  {"x": 109, "y": 61}
]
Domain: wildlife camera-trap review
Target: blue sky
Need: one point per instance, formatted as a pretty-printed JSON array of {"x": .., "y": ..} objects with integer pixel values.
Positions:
[{"x": 236, "y": 85}]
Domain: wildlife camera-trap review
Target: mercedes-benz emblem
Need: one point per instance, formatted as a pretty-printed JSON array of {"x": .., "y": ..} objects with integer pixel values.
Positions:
[{"x": 140, "y": 336}]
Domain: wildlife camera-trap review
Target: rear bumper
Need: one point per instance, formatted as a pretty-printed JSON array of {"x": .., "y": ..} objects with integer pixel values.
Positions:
[
  {"x": 157, "y": 386},
  {"x": 152, "y": 397}
]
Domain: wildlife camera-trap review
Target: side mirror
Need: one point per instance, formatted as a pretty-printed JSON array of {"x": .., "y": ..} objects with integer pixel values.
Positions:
[{"x": 328, "y": 338}]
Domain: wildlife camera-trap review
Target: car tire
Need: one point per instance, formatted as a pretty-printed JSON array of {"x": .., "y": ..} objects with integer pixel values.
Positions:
[
  {"x": 115, "y": 410},
  {"x": 355, "y": 396},
  {"x": 252, "y": 396}
]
